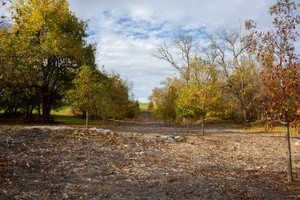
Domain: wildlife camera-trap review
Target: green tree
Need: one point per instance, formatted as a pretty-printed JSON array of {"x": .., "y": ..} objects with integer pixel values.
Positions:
[
  {"x": 133, "y": 109},
  {"x": 16, "y": 95},
  {"x": 98, "y": 94},
  {"x": 164, "y": 98},
  {"x": 118, "y": 92},
  {"x": 88, "y": 92},
  {"x": 48, "y": 44},
  {"x": 280, "y": 67}
]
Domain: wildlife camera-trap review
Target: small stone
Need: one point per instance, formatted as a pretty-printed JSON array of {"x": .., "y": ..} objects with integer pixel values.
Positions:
[
  {"x": 65, "y": 196},
  {"x": 297, "y": 143},
  {"x": 81, "y": 134},
  {"x": 168, "y": 138}
]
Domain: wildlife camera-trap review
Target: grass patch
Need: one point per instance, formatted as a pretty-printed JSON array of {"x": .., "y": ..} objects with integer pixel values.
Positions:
[
  {"x": 75, "y": 120},
  {"x": 279, "y": 129},
  {"x": 67, "y": 111},
  {"x": 57, "y": 120},
  {"x": 144, "y": 106}
]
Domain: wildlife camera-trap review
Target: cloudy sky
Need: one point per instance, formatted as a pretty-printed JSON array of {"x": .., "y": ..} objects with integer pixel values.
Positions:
[{"x": 127, "y": 31}]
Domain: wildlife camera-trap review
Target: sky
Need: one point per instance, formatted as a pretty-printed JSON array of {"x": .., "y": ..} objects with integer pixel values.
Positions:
[{"x": 127, "y": 32}]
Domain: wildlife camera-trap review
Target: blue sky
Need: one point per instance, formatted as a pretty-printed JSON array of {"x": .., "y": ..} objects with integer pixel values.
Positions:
[{"x": 127, "y": 31}]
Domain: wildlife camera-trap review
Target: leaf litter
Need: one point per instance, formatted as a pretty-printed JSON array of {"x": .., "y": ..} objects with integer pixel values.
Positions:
[{"x": 58, "y": 162}]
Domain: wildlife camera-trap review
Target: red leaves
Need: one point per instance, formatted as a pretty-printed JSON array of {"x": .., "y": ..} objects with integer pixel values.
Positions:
[{"x": 280, "y": 72}]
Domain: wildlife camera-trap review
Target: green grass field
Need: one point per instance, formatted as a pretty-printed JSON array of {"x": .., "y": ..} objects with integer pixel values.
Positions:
[{"x": 144, "y": 106}]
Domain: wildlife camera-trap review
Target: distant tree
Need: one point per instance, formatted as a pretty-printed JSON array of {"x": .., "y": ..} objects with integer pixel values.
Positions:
[
  {"x": 133, "y": 109},
  {"x": 88, "y": 92},
  {"x": 118, "y": 92},
  {"x": 202, "y": 95},
  {"x": 185, "y": 46},
  {"x": 228, "y": 51},
  {"x": 151, "y": 106},
  {"x": 280, "y": 73},
  {"x": 164, "y": 98},
  {"x": 190, "y": 104},
  {"x": 98, "y": 94}
]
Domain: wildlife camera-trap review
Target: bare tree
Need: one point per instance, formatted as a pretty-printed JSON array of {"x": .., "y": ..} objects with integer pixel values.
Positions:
[
  {"x": 185, "y": 46},
  {"x": 228, "y": 50}
]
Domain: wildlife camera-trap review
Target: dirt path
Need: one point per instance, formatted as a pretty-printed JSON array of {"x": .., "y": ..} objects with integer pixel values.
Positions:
[
  {"x": 145, "y": 117},
  {"x": 145, "y": 124},
  {"x": 138, "y": 161}
]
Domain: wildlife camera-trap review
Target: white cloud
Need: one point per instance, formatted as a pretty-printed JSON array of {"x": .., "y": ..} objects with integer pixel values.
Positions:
[{"x": 127, "y": 31}]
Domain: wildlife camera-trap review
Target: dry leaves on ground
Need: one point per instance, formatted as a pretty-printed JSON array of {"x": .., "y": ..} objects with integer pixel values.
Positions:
[{"x": 74, "y": 163}]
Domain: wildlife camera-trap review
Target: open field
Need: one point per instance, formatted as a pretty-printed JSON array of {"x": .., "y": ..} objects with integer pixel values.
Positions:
[
  {"x": 144, "y": 160},
  {"x": 144, "y": 106},
  {"x": 71, "y": 163}
]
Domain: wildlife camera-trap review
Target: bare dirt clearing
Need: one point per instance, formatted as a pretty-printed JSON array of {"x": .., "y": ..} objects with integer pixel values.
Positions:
[{"x": 136, "y": 162}]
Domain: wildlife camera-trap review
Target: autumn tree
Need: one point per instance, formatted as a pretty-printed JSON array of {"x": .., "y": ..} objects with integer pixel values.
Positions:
[
  {"x": 88, "y": 92},
  {"x": 48, "y": 44},
  {"x": 164, "y": 99},
  {"x": 228, "y": 51},
  {"x": 190, "y": 104},
  {"x": 119, "y": 96},
  {"x": 133, "y": 109},
  {"x": 15, "y": 94},
  {"x": 202, "y": 96},
  {"x": 280, "y": 67},
  {"x": 198, "y": 79},
  {"x": 98, "y": 94}
]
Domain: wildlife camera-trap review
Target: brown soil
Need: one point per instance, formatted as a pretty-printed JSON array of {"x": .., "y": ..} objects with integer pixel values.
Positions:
[{"x": 136, "y": 162}]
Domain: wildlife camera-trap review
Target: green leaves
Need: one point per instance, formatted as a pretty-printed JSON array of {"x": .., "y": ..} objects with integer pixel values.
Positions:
[
  {"x": 101, "y": 94},
  {"x": 42, "y": 48}
]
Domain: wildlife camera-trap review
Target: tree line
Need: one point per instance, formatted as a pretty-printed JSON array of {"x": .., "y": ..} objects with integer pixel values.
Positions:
[
  {"x": 222, "y": 80},
  {"x": 46, "y": 62},
  {"x": 242, "y": 74}
]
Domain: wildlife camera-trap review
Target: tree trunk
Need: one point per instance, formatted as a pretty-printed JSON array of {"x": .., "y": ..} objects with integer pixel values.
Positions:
[
  {"x": 243, "y": 106},
  {"x": 289, "y": 154},
  {"x": 245, "y": 115},
  {"x": 46, "y": 113},
  {"x": 187, "y": 125},
  {"x": 87, "y": 119},
  {"x": 46, "y": 109},
  {"x": 46, "y": 104},
  {"x": 202, "y": 124}
]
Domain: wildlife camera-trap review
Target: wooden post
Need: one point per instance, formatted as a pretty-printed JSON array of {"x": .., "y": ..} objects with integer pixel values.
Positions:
[
  {"x": 289, "y": 154},
  {"x": 202, "y": 125}
]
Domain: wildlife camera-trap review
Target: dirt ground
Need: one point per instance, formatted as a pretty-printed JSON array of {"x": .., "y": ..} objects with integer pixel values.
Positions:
[{"x": 144, "y": 160}]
